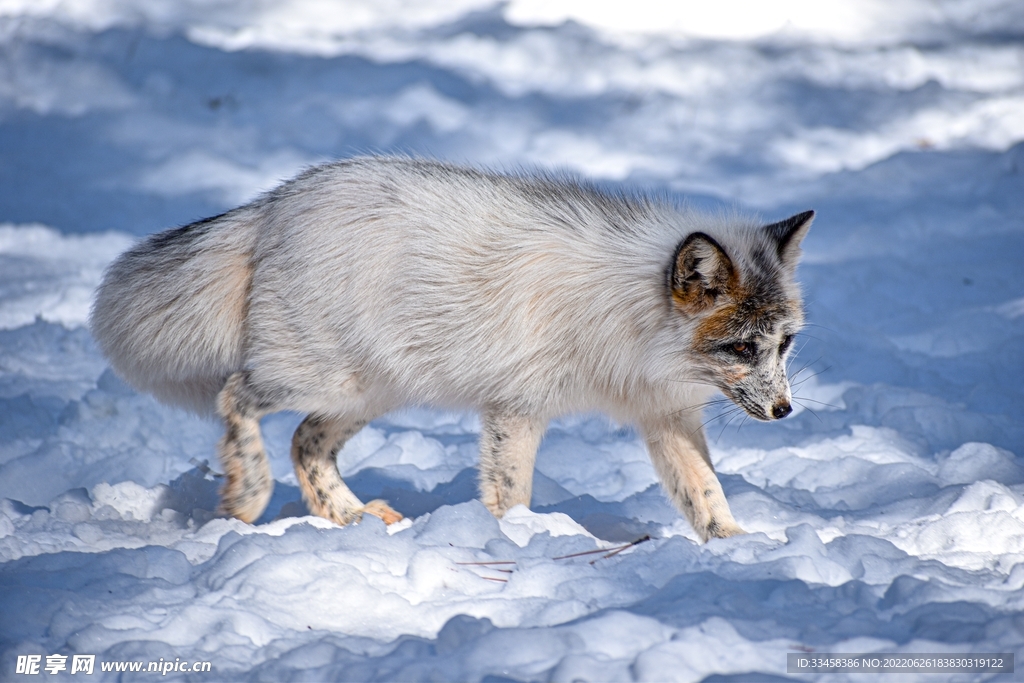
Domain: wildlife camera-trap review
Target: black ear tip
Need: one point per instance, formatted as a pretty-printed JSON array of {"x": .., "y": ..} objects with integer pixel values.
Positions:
[
  {"x": 785, "y": 229},
  {"x": 794, "y": 227}
]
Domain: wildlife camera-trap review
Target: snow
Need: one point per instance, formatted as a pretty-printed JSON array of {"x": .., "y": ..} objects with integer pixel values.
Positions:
[
  {"x": 51, "y": 276},
  {"x": 886, "y": 515}
]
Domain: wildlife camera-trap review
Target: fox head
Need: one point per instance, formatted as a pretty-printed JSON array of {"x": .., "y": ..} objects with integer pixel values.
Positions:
[{"x": 746, "y": 309}]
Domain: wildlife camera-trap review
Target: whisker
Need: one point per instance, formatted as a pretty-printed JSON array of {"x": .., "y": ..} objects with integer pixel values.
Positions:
[
  {"x": 712, "y": 419},
  {"x": 794, "y": 375},
  {"x": 797, "y": 384},
  {"x": 804, "y": 398},
  {"x": 790, "y": 360},
  {"x": 796, "y": 352},
  {"x": 713, "y": 402},
  {"x": 724, "y": 427},
  {"x": 699, "y": 406},
  {"x": 815, "y": 414},
  {"x": 804, "y": 367},
  {"x": 742, "y": 422},
  {"x": 685, "y": 380}
]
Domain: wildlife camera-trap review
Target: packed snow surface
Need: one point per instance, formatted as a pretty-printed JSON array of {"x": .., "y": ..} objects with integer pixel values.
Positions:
[{"x": 886, "y": 515}]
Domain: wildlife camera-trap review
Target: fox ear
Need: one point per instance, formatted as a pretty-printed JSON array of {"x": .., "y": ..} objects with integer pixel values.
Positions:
[
  {"x": 788, "y": 235},
  {"x": 701, "y": 272}
]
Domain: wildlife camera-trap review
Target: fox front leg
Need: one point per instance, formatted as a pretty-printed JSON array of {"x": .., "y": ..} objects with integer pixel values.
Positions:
[
  {"x": 508, "y": 450},
  {"x": 680, "y": 456}
]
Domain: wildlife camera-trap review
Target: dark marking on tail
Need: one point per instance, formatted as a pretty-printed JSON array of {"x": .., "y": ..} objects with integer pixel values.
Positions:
[{"x": 185, "y": 233}]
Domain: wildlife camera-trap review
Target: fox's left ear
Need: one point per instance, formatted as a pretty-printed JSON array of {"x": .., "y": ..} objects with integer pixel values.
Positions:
[{"x": 788, "y": 235}]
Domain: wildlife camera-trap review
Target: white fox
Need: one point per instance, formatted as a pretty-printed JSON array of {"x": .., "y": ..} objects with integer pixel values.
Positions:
[{"x": 370, "y": 284}]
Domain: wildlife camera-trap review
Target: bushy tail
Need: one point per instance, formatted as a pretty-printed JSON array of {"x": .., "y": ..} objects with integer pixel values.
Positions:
[{"x": 170, "y": 313}]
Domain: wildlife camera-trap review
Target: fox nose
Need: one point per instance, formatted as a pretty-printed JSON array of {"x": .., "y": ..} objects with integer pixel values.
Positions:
[{"x": 781, "y": 410}]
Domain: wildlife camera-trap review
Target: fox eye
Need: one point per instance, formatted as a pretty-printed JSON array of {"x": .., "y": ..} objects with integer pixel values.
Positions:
[
  {"x": 744, "y": 350},
  {"x": 787, "y": 340}
]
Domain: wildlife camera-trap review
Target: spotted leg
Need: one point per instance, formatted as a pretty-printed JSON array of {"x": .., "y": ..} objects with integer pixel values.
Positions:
[
  {"x": 315, "y": 447},
  {"x": 508, "y": 449},
  {"x": 680, "y": 456},
  {"x": 248, "y": 482}
]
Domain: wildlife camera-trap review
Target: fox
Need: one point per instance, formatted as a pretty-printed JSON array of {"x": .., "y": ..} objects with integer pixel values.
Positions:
[{"x": 374, "y": 283}]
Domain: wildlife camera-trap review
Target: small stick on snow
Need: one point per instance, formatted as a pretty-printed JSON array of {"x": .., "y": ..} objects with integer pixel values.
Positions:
[
  {"x": 611, "y": 551},
  {"x": 615, "y": 552},
  {"x": 488, "y": 565},
  {"x": 608, "y": 552},
  {"x": 585, "y": 552}
]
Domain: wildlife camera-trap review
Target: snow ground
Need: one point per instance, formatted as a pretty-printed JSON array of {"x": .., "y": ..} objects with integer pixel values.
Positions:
[{"x": 886, "y": 516}]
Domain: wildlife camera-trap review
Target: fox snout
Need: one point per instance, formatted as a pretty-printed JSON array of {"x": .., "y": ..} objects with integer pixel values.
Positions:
[
  {"x": 761, "y": 389},
  {"x": 777, "y": 399},
  {"x": 782, "y": 405},
  {"x": 757, "y": 402}
]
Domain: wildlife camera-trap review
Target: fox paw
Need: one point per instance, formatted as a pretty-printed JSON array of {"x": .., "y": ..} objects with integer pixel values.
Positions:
[
  {"x": 378, "y": 508},
  {"x": 717, "y": 529}
]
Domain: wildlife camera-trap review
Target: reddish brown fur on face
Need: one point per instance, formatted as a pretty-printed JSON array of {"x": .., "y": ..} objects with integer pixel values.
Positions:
[
  {"x": 735, "y": 374},
  {"x": 716, "y": 327},
  {"x": 692, "y": 298},
  {"x": 742, "y": 318}
]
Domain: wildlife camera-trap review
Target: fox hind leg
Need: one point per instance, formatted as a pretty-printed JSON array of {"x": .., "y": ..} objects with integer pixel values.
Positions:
[
  {"x": 248, "y": 481},
  {"x": 508, "y": 450},
  {"x": 315, "y": 447}
]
